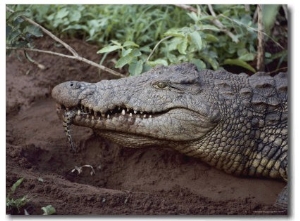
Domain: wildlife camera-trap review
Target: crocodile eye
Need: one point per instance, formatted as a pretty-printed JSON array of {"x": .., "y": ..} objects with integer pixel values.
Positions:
[{"x": 160, "y": 84}]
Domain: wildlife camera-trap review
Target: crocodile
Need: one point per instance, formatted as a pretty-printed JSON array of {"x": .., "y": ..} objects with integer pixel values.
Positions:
[{"x": 236, "y": 123}]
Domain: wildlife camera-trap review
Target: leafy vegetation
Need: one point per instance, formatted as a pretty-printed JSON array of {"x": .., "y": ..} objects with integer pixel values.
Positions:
[
  {"x": 14, "y": 206},
  {"x": 18, "y": 32},
  {"x": 143, "y": 36},
  {"x": 11, "y": 203}
]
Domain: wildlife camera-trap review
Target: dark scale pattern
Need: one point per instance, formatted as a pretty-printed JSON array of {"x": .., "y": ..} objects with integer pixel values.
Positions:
[{"x": 254, "y": 140}]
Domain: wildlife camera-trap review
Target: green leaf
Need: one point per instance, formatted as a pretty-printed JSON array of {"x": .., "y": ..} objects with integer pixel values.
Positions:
[
  {"x": 34, "y": 30},
  {"x": 136, "y": 68},
  {"x": 76, "y": 27},
  {"x": 13, "y": 16},
  {"x": 16, "y": 203},
  {"x": 172, "y": 58},
  {"x": 21, "y": 201},
  {"x": 269, "y": 13},
  {"x": 130, "y": 44},
  {"x": 126, "y": 52},
  {"x": 92, "y": 32},
  {"x": 175, "y": 32},
  {"x": 209, "y": 59},
  {"x": 211, "y": 38},
  {"x": 268, "y": 55},
  {"x": 50, "y": 17},
  {"x": 196, "y": 39},
  {"x": 14, "y": 35},
  {"x": 48, "y": 210},
  {"x": 269, "y": 58},
  {"x": 75, "y": 16},
  {"x": 199, "y": 63},
  {"x": 240, "y": 63},
  {"x": 193, "y": 16},
  {"x": 247, "y": 57},
  {"x": 206, "y": 17},
  {"x": 109, "y": 49},
  {"x": 209, "y": 27},
  {"x": 16, "y": 185},
  {"x": 124, "y": 60},
  {"x": 136, "y": 52},
  {"x": 62, "y": 13},
  {"x": 172, "y": 44},
  {"x": 158, "y": 62},
  {"x": 242, "y": 51},
  {"x": 116, "y": 42},
  {"x": 182, "y": 46},
  {"x": 146, "y": 49}
]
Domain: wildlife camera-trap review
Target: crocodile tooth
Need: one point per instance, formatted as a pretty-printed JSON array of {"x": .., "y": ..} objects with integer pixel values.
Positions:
[
  {"x": 93, "y": 118},
  {"x": 78, "y": 112},
  {"x": 130, "y": 114},
  {"x": 123, "y": 112},
  {"x": 141, "y": 112},
  {"x": 108, "y": 116},
  {"x": 134, "y": 111},
  {"x": 150, "y": 116},
  {"x": 145, "y": 116},
  {"x": 99, "y": 118}
]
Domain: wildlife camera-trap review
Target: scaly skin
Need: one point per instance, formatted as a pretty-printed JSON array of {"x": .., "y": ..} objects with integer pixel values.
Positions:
[{"x": 235, "y": 123}]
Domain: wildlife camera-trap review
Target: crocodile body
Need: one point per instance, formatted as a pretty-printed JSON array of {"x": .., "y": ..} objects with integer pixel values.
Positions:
[{"x": 236, "y": 123}]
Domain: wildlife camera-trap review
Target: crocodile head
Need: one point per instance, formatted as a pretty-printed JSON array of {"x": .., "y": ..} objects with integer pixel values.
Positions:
[
  {"x": 237, "y": 123},
  {"x": 161, "y": 106}
]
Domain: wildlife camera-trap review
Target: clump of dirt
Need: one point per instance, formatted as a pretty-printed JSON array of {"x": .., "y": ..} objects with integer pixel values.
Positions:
[{"x": 126, "y": 181}]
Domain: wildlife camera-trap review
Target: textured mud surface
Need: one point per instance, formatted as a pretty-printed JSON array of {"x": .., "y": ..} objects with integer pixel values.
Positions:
[{"x": 127, "y": 181}]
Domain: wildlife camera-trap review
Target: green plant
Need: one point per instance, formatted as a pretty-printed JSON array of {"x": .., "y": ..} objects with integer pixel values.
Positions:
[
  {"x": 74, "y": 55},
  {"x": 18, "y": 203},
  {"x": 205, "y": 41},
  {"x": 19, "y": 33},
  {"x": 143, "y": 36},
  {"x": 101, "y": 23},
  {"x": 48, "y": 210}
]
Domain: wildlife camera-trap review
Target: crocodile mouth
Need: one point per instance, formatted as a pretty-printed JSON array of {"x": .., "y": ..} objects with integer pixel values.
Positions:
[
  {"x": 85, "y": 112},
  {"x": 83, "y": 116},
  {"x": 134, "y": 127}
]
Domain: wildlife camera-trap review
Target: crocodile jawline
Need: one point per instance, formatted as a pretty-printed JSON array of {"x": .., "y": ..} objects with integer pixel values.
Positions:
[{"x": 84, "y": 111}]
